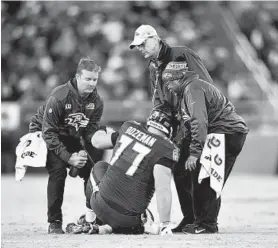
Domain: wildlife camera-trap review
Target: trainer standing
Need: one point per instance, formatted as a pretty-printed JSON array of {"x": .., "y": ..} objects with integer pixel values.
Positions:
[
  {"x": 169, "y": 64},
  {"x": 206, "y": 111},
  {"x": 71, "y": 114}
]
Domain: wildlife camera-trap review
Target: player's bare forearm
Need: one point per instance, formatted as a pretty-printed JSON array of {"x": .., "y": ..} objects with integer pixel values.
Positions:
[{"x": 102, "y": 139}]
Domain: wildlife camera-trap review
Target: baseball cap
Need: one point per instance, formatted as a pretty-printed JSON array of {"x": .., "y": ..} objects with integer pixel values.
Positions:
[{"x": 141, "y": 34}]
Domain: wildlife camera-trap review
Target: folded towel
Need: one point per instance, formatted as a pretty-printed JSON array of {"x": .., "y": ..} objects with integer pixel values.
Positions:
[
  {"x": 213, "y": 162},
  {"x": 31, "y": 151}
]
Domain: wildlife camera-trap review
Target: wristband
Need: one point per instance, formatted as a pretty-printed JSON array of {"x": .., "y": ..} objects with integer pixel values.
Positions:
[
  {"x": 102, "y": 128},
  {"x": 114, "y": 137}
]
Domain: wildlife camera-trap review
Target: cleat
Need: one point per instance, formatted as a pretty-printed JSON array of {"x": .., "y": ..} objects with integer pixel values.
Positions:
[
  {"x": 184, "y": 222},
  {"x": 94, "y": 229},
  {"x": 199, "y": 229}
]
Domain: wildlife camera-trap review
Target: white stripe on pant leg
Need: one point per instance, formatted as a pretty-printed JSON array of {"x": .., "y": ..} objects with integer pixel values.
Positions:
[
  {"x": 90, "y": 215},
  {"x": 93, "y": 182}
]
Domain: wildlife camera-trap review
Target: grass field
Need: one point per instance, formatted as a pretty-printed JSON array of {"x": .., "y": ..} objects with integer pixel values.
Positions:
[{"x": 248, "y": 217}]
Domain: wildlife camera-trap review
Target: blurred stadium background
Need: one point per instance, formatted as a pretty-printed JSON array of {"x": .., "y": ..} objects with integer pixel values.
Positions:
[{"x": 42, "y": 42}]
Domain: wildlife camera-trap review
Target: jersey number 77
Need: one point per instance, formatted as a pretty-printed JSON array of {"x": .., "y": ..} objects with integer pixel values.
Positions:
[{"x": 137, "y": 147}]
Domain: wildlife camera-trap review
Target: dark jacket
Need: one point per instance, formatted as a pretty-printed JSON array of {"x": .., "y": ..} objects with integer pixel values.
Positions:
[
  {"x": 166, "y": 74},
  {"x": 159, "y": 73},
  {"x": 180, "y": 78},
  {"x": 65, "y": 117},
  {"x": 206, "y": 110}
]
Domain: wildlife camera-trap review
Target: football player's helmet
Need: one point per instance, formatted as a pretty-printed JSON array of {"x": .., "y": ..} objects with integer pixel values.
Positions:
[{"x": 161, "y": 119}]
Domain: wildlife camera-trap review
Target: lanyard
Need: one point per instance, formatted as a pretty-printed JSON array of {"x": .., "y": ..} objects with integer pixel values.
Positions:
[{"x": 158, "y": 85}]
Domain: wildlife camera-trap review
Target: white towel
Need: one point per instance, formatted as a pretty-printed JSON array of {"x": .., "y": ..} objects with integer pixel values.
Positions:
[
  {"x": 31, "y": 151},
  {"x": 213, "y": 162}
]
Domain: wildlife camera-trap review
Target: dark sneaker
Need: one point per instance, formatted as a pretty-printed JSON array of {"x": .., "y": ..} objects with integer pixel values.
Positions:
[
  {"x": 199, "y": 229},
  {"x": 55, "y": 227},
  {"x": 182, "y": 224}
]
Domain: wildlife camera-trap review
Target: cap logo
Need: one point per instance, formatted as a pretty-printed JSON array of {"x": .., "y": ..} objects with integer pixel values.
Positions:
[{"x": 176, "y": 66}]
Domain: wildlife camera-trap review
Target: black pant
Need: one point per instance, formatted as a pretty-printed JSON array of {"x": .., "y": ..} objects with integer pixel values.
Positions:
[
  {"x": 206, "y": 206},
  {"x": 107, "y": 213},
  {"x": 182, "y": 179},
  {"x": 57, "y": 170}
]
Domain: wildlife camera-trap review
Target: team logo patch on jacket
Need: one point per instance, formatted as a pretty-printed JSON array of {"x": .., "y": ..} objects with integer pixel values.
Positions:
[
  {"x": 68, "y": 106},
  {"x": 90, "y": 106},
  {"x": 77, "y": 120}
]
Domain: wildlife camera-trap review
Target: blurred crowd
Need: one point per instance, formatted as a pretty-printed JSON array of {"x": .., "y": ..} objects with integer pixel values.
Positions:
[
  {"x": 259, "y": 22},
  {"x": 42, "y": 43}
]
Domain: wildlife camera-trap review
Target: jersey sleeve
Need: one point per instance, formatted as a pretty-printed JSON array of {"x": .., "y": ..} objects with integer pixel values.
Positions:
[{"x": 166, "y": 162}]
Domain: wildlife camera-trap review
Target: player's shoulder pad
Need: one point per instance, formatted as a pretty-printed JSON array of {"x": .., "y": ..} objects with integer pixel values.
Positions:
[
  {"x": 131, "y": 122},
  {"x": 168, "y": 140},
  {"x": 128, "y": 124}
]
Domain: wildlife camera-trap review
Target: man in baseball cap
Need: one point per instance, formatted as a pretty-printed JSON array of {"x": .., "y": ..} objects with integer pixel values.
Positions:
[
  {"x": 169, "y": 64},
  {"x": 142, "y": 34}
]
